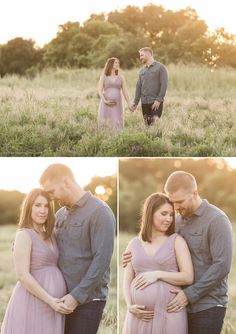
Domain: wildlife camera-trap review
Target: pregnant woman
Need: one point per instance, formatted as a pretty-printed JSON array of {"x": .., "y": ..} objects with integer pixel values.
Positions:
[
  {"x": 161, "y": 262},
  {"x": 35, "y": 305},
  {"x": 111, "y": 84}
]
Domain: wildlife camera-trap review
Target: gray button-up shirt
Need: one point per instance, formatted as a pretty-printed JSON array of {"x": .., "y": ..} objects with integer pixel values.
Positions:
[
  {"x": 208, "y": 233},
  {"x": 151, "y": 84},
  {"x": 85, "y": 238}
]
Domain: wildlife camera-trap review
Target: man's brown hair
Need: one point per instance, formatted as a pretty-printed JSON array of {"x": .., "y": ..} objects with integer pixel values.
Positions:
[
  {"x": 56, "y": 172},
  {"x": 147, "y": 49},
  {"x": 180, "y": 180}
]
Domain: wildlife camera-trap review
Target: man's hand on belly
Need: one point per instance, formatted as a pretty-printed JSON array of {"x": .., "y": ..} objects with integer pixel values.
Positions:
[
  {"x": 179, "y": 301},
  {"x": 140, "y": 312}
]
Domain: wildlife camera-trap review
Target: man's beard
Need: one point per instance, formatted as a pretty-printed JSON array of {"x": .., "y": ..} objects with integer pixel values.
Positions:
[
  {"x": 62, "y": 202},
  {"x": 185, "y": 213}
]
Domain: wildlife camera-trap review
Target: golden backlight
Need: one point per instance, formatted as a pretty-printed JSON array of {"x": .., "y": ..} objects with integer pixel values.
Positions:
[
  {"x": 23, "y": 173},
  {"x": 39, "y": 20}
]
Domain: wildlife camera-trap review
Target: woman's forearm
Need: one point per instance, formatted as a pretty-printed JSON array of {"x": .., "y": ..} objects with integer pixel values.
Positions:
[
  {"x": 100, "y": 93},
  {"x": 126, "y": 292},
  {"x": 175, "y": 278},
  {"x": 31, "y": 285},
  {"x": 101, "y": 89},
  {"x": 127, "y": 297},
  {"x": 125, "y": 91},
  {"x": 128, "y": 278},
  {"x": 126, "y": 96}
]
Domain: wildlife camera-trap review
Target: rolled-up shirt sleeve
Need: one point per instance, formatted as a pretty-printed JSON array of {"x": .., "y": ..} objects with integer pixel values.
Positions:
[{"x": 102, "y": 232}]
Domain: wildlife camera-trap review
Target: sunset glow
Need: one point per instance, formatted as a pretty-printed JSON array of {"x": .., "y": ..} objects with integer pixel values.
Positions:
[
  {"x": 23, "y": 173},
  {"x": 39, "y": 20}
]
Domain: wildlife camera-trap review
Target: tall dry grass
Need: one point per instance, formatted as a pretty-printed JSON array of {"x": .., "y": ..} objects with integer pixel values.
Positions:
[{"x": 55, "y": 114}]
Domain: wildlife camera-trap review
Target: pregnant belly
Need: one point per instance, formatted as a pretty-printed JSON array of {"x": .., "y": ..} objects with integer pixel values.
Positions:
[
  {"x": 112, "y": 94},
  {"x": 147, "y": 296},
  {"x": 52, "y": 281}
]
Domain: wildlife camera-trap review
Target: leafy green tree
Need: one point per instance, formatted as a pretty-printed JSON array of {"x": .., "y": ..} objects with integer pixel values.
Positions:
[
  {"x": 153, "y": 21},
  {"x": 97, "y": 17},
  {"x": 129, "y": 19},
  {"x": 18, "y": 55},
  {"x": 10, "y": 203},
  {"x": 175, "y": 36},
  {"x": 118, "y": 46},
  {"x": 96, "y": 28},
  {"x": 224, "y": 46},
  {"x": 140, "y": 177},
  {"x": 105, "y": 188},
  {"x": 56, "y": 51},
  {"x": 78, "y": 49}
]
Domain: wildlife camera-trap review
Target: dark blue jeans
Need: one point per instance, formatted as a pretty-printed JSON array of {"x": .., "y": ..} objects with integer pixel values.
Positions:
[
  {"x": 209, "y": 321},
  {"x": 149, "y": 115},
  {"x": 85, "y": 319}
]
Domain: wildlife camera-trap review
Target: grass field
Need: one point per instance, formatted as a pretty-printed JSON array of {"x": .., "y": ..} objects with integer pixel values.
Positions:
[
  {"x": 55, "y": 114},
  {"x": 8, "y": 280},
  {"x": 230, "y": 320}
]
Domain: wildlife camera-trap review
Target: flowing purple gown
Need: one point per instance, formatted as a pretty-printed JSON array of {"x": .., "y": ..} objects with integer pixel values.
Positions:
[
  {"x": 157, "y": 295},
  {"x": 112, "y": 115},
  {"x": 26, "y": 314}
]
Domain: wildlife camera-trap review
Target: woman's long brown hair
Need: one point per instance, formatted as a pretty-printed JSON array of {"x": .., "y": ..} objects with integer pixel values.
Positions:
[
  {"x": 151, "y": 205},
  {"x": 109, "y": 65},
  {"x": 26, "y": 212}
]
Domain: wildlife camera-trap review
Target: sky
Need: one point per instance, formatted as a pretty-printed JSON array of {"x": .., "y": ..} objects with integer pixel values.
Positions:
[
  {"x": 39, "y": 20},
  {"x": 231, "y": 162},
  {"x": 22, "y": 174}
]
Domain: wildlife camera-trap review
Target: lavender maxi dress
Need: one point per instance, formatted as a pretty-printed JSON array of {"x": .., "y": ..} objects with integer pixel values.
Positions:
[
  {"x": 157, "y": 295},
  {"x": 27, "y": 314},
  {"x": 112, "y": 115}
]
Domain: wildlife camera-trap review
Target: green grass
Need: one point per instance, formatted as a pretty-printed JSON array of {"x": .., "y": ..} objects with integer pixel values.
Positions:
[
  {"x": 55, "y": 114},
  {"x": 230, "y": 319},
  {"x": 8, "y": 280}
]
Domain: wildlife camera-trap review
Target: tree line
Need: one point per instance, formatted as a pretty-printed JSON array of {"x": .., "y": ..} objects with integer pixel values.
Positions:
[
  {"x": 175, "y": 36},
  {"x": 10, "y": 201},
  {"x": 138, "y": 178}
]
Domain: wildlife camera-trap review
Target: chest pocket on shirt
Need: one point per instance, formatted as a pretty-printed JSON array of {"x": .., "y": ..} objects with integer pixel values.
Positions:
[
  {"x": 153, "y": 74},
  {"x": 75, "y": 230},
  {"x": 195, "y": 240}
]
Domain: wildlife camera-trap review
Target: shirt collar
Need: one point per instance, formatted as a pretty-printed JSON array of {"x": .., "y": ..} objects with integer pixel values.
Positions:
[
  {"x": 82, "y": 201},
  {"x": 199, "y": 212},
  {"x": 201, "y": 208},
  {"x": 152, "y": 64}
]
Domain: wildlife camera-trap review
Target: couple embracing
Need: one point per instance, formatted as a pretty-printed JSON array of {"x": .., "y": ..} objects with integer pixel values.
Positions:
[
  {"x": 176, "y": 276},
  {"x": 62, "y": 264},
  {"x": 150, "y": 88}
]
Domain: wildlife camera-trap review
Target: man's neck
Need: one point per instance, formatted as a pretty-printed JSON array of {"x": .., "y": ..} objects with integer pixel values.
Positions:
[
  {"x": 197, "y": 204},
  {"x": 76, "y": 196},
  {"x": 149, "y": 62}
]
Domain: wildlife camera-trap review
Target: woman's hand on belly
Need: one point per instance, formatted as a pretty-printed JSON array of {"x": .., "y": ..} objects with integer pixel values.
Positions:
[
  {"x": 145, "y": 279},
  {"x": 110, "y": 102},
  {"x": 139, "y": 312}
]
